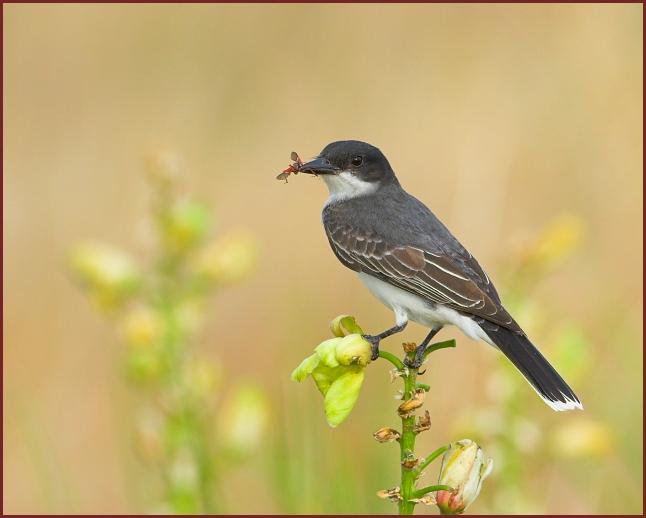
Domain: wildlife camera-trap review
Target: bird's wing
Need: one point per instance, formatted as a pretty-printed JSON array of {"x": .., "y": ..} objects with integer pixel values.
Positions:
[{"x": 440, "y": 278}]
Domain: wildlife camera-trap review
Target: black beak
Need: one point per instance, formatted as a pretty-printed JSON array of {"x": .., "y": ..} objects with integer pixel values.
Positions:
[{"x": 319, "y": 165}]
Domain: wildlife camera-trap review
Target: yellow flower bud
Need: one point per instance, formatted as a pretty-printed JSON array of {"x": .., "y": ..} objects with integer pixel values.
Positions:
[
  {"x": 353, "y": 349},
  {"x": 344, "y": 325},
  {"x": 228, "y": 260},
  {"x": 464, "y": 468},
  {"x": 327, "y": 351},
  {"x": 337, "y": 368}
]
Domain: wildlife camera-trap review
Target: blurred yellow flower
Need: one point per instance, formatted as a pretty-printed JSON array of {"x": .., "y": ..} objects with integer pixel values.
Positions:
[
  {"x": 557, "y": 241},
  {"x": 201, "y": 378},
  {"x": 141, "y": 327},
  {"x": 583, "y": 438},
  {"x": 227, "y": 260},
  {"x": 243, "y": 419},
  {"x": 107, "y": 272},
  {"x": 185, "y": 225}
]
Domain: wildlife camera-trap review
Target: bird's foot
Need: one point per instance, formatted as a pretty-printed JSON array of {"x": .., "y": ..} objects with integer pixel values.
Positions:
[
  {"x": 416, "y": 362},
  {"x": 374, "y": 345}
]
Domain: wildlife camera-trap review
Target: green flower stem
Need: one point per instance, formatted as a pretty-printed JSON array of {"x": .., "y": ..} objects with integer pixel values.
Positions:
[
  {"x": 167, "y": 292},
  {"x": 423, "y": 386},
  {"x": 438, "y": 346},
  {"x": 410, "y": 473},
  {"x": 407, "y": 444},
  {"x": 155, "y": 308},
  {"x": 392, "y": 359},
  {"x": 430, "y": 489},
  {"x": 422, "y": 465}
]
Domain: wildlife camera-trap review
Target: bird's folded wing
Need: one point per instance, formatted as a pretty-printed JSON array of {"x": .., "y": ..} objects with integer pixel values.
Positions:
[{"x": 437, "y": 277}]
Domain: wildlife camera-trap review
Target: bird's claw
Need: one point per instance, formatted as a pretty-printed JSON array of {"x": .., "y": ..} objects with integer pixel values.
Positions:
[
  {"x": 416, "y": 362},
  {"x": 374, "y": 345}
]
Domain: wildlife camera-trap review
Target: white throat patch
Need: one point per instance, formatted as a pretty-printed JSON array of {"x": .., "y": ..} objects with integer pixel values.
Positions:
[{"x": 346, "y": 185}]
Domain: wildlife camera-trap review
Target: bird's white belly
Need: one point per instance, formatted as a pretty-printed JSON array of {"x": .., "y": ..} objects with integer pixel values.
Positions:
[{"x": 408, "y": 306}]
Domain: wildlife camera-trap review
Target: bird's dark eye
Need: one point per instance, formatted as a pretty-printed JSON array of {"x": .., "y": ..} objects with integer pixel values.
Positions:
[{"x": 357, "y": 160}]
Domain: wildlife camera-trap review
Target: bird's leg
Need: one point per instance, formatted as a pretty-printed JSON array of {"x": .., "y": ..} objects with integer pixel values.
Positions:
[
  {"x": 375, "y": 339},
  {"x": 419, "y": 351}
]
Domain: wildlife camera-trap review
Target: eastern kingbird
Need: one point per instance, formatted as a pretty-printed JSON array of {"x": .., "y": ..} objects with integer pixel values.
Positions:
[{"x": 411, "y": 262}]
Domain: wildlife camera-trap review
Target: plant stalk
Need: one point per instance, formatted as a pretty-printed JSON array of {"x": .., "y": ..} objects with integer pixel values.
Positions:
[
  {"x": 410, "y": 472},
  {"x": 420, "y": 467},
  {"x": 407, "y": 445}
]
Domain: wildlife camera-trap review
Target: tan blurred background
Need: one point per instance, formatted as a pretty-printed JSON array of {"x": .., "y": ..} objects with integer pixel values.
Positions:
[{"x": 500, "y": 118}]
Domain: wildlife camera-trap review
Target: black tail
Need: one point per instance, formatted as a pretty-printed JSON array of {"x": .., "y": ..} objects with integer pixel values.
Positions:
[{"x": 536, "y": 369}]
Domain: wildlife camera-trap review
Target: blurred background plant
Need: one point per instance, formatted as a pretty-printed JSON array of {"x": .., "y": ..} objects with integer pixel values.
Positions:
[
  {"x": 194, "y": 423},
  {"x": 542, "y": 445},
  {"x": 498, "y": 117}
]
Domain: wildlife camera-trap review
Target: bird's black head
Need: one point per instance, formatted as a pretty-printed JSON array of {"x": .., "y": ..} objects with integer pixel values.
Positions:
[{"x": 353, "y": 160}]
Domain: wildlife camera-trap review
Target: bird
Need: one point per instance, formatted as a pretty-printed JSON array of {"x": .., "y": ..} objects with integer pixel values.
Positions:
[{"x": 410, "y": 261}]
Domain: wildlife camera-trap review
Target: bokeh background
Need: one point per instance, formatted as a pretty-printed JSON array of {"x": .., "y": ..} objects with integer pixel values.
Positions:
[{"x": 519, "y": 125}]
